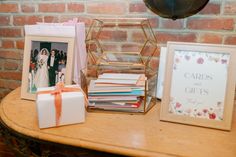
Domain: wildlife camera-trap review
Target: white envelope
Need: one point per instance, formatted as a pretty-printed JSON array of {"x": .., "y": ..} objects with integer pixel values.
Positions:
[
  {"x": 161, "y": 72},
  {"x": 50, "y": 30}
]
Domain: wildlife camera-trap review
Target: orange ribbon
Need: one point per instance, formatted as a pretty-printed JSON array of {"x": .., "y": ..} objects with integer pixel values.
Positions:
[{"x": 60, "y": 88}]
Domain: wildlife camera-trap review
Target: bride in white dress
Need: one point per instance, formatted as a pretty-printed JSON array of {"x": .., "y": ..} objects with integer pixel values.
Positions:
[{"x": 41, "y": 77}]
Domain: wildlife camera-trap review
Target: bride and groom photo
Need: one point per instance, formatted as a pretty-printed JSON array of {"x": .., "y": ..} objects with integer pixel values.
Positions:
[{"x": 47, "y": 66}]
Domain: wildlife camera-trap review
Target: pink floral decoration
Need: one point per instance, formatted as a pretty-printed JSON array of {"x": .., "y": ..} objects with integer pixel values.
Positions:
[
  {"x": 212, "y": 115},
  {"x": 224, "y": 61},
  {"x": 199, "y": 114},
  {"x": 177, "y": 105},
  {"x": 187, "y": 57},
  {"x": 200, "y": 60},
  {"x": 205, "y": 110},
  {"x": 188, "y": 111},
  {"x": 177, "y": 60}
]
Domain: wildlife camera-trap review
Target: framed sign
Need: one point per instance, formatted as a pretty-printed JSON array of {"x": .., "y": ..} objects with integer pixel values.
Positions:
[
  {"x": 47, "y": 60},
  {"x": 199, "y": 84}
]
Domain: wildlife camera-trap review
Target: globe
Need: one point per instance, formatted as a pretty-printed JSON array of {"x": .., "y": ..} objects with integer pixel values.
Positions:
[{"x": 175, "y": 9}]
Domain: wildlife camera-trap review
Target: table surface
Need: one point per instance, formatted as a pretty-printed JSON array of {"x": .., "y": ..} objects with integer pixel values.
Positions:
[{"x": 136, "y": 135}]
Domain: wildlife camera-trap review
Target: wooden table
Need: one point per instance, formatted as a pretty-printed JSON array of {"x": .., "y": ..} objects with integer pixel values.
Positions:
[{"x": 125, "y": 134}]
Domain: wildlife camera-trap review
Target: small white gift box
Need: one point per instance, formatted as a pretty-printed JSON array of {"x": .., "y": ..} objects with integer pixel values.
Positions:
[{"x": 71, "y": 109}]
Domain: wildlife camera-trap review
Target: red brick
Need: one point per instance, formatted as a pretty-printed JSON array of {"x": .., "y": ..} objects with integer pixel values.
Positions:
[
  {"x": 154, "y": 63},
  {"x": 22, "y": 20},
  {"x": 113, "y": 35},
  {"x": 9, "y": 84},
  {"x": 10, "y": 55},
  {"x": 110, "y": 47},
  {"x": 170, "y": 24},
  {"x": 137, "y": 7},
  {"x": 122, "y": 22},
  {"x": 10, "y": 32},
  {"x": 11, "y": 75},
  {"x": 230, "y": 8},
  {"x": 147, "y": 51},
  {"x": 52, "y": 7},
  {"x": 27, "y": 8},
  {"x": 211, "y": 23},
  {"x": 138, "y": 37},
  {"x": 20, "y": 67},
  {"x": 86, "y": 20},
  {"x": 184, "y": 37},
  {"x": 8, "y": 8},
  {"x": 4, "y": 20},
  {"x": 211, "y": 8},
  {"x": 7, "y": 44},
  {"x": 20, "y": 44},
  {"x": 158, "y": 51},
  {"x": 211, "y": 38},
  {"x": 4, "y": 150},
  {"x": 67, "y": 18},
  {"x": 131, "y": 48},
  {"x": 92, "y": 46},
  {"x": 75, "y": 7},
  {"x": 154, "y": 22},
  {"x": 231, "y": 40},
  {"x": 150, "y": 50},
  {"x": 106, "y": 8},
  {"x": 1, "y": 63},
  {"x": 51, "y": 19},
  {"x": 10, "y": 65}
]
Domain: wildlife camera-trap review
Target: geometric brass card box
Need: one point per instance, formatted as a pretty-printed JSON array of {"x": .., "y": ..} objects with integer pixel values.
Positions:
[{"x": 104, "y": 60}]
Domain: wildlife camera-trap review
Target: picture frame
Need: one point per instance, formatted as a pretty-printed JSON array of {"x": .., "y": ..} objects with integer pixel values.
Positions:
[
  {"x": 47, "y": 60},
  {"x": 199, "y": 84}
]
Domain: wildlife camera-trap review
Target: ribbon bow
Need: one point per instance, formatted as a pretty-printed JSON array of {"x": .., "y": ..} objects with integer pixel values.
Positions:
[{"x": 59, "y": 89}]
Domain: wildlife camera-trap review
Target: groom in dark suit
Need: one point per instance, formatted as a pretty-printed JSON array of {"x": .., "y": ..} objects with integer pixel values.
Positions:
[{"x": 52, "y": 67}]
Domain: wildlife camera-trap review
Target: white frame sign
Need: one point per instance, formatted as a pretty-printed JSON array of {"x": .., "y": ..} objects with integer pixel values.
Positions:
[{"x": 199, "y": 84}]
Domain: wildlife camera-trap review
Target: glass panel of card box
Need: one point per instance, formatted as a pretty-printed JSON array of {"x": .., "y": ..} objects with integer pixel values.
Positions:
[{"x": 120, "y": 80}]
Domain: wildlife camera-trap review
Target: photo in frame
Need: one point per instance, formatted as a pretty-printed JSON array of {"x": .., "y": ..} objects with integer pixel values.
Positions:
[
  {"x": 47, "y": 60},
  {"x": 199, "y": 84}
]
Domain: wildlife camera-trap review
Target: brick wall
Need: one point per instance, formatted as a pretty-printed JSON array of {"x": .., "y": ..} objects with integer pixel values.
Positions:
[{"x": 215, "y": 24}]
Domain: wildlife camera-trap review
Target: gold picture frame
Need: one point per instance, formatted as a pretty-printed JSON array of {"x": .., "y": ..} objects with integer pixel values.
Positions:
[
  {"x": 199, "y": 84},
  {"x": 37, "y": 52}
]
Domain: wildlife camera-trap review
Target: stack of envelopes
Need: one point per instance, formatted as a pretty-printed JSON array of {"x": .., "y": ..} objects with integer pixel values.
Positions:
[{"x": 117, "y": 91}]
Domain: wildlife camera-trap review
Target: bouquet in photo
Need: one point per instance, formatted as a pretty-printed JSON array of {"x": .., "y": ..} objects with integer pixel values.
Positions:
[{"x": 40, "y": 63}]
